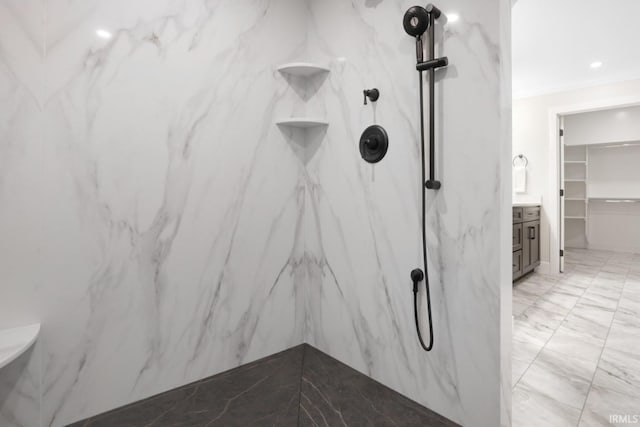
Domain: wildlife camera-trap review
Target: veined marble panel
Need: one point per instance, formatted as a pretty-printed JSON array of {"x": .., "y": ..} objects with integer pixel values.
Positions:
[
  {"x": 155, "y": 208},
  {"x": 163, "y": 229},
  {"x": 363, "y": 230}
]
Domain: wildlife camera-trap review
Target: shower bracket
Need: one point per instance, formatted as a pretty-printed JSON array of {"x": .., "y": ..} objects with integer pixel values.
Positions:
[{"x": 432, "y": 64}]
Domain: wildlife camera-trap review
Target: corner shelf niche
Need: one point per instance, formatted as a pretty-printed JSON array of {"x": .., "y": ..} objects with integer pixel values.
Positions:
[
  {"x": 304, "y": 69},
  {"x": 302, "y": 122},
  {"x": 304, "y": 133},
  {"x": 15, "y": 341}
]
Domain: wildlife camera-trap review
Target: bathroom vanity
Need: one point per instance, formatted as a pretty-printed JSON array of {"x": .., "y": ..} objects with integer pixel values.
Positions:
[{"x": 526, "y": 238}]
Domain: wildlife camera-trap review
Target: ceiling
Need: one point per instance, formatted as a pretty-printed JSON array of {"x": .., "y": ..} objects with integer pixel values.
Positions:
[{"x": 555, "y": 41}]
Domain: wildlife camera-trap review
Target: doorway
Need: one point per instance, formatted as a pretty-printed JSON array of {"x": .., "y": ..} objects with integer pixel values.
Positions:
[{"x": 575, "y": 131}]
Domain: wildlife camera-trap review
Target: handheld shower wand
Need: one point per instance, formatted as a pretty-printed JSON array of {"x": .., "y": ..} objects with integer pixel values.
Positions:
[{"x": 416, "y": 21}]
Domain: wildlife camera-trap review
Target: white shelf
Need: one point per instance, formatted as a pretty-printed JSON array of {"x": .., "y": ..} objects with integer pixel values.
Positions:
[
  {"x": 575, "y": 180},
  {"x": 615, "y": 144},
  {"x": 304, "y": 69},
  {"x": 615, "y": 199},
  {"x": 302, "y": 122},
  {"x": 15, "y": 341}
]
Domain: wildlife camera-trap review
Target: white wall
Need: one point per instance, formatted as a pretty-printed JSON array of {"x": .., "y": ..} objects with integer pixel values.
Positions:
[
  {"x": 531, "y": 137},
  {"x": 614, "y": 172},
  {"x": 598, "y": 127}
]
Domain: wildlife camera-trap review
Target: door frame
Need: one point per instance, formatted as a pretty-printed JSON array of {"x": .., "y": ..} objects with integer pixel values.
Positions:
[{"x": 553, "y": 205}]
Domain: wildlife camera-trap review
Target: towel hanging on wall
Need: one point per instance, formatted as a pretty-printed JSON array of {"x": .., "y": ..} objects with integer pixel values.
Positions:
[{"x": 519, "y": 177}]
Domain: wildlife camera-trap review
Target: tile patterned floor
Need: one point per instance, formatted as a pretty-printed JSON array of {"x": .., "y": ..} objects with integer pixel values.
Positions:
[
  {"x": 576, "y": 343},
  {"x": 299, "y": 387}
]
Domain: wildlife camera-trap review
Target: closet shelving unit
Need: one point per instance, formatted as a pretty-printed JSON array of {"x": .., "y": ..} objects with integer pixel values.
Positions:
[
  {"x": 576, "y": 200},
  {"x": 580, "y": 192}
]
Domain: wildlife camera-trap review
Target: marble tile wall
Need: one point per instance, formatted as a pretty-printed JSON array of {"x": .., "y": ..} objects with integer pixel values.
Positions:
[
  {"x": 151, "y": 211},
  {"x": 163, "y": 230},
  {"x": 363, "y": 224}
]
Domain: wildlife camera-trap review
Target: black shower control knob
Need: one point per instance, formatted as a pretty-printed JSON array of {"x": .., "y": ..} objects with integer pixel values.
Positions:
[
  {"x": 372, "y": 94},
  {"x": 374, "y": 143}
]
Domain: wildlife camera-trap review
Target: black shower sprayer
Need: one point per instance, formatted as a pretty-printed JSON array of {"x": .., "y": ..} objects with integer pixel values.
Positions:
[{"x": 417, "y": 20}]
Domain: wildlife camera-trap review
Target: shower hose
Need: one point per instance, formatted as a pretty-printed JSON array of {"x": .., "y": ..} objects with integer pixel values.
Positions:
[{"x": 424, "y": 239}]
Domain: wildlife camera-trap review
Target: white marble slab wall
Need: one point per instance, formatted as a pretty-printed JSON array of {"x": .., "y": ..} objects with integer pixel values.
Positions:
[
  {"x": 363, "y": 232},
  {"x": 164, "y": 230},
  {"x": 151, "y": 212}
]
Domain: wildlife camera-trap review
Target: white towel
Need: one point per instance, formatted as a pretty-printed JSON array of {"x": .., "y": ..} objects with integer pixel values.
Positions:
[{"x": 519, "y": 179}]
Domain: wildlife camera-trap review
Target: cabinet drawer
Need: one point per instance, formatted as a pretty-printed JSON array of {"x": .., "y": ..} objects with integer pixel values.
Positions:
[
  {"x": 517, "y": 215},
  {"x": 517, "y": 264},
  {"x": 517, "y": 237},
  {"x": 531, "y": 213},
  {"x": 531, "y": 238}
]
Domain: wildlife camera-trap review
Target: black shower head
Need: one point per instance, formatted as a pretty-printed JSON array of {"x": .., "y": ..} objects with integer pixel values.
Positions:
[{"x": 416, "y": 21}]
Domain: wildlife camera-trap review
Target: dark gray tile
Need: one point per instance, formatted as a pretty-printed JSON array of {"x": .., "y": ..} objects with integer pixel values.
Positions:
[
  {"x": 333, "y": 394},
  {"x": 263, "y": 393},
  {"x": 268, "y": 393}
]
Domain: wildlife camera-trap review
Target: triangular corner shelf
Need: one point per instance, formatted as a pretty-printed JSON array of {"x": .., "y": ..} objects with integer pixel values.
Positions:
[
  {"x": 304, "y": 69},
  {"x": 16, "y": 341},
  {"x": 302, "y": 122}
]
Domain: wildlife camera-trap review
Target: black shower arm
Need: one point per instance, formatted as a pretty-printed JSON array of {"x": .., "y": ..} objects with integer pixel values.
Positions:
[{"x": 432, "y": 10}]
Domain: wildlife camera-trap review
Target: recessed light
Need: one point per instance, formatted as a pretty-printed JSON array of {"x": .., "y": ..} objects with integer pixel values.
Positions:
[
  {"x": 452, "y": 17},
  {"x": 596, "y": 64},
  {"x": 103, "y": 34}
]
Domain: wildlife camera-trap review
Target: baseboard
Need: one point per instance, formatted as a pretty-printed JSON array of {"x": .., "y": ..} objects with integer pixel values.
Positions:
[
  {"x": 627, "y": 250},
  {"x": 544, "y": 267}
]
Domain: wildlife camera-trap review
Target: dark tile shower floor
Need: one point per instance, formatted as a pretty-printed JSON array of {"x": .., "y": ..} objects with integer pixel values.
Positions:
[{"x": 297, "y": 387}]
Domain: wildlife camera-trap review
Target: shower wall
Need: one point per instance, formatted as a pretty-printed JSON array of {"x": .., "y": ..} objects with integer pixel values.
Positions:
[
  {"x": 163, "y": 229},
  {"x": 150, "y": 211},
  {"x": 363, "y": 221}
]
